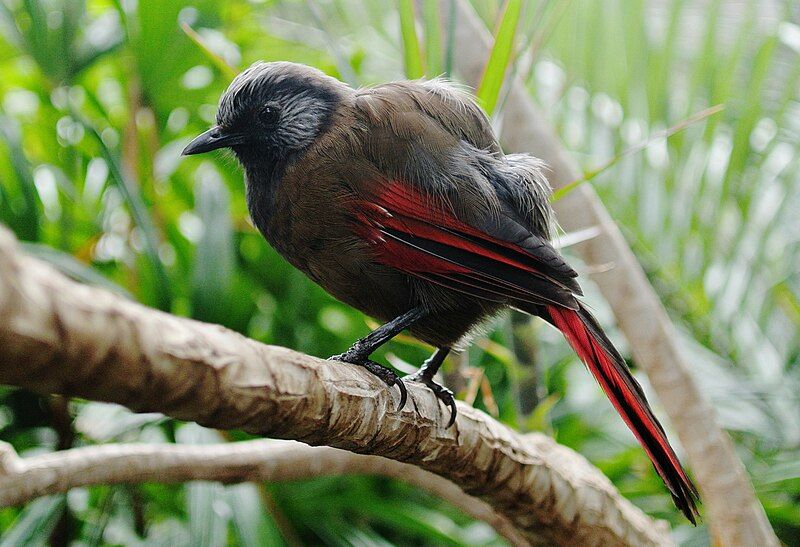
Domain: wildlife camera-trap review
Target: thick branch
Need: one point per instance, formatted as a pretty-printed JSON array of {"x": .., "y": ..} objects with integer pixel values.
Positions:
[
  {"x": 22, "y": 479},
  {"x": 735, "y": 515},
  {"x": 58, "y": 336}
]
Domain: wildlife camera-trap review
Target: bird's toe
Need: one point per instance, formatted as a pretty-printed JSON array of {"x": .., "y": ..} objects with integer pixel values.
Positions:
[
  {"x": 388, "y": 376},
  {"x": 442, "y": 393},
  {"x": 347, "y": 357}
]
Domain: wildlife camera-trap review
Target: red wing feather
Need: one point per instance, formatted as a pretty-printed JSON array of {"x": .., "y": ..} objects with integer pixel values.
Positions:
[{"x": 413, "y": 233}]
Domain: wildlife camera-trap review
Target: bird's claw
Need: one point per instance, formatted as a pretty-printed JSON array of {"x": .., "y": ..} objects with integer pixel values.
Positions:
[
  {"x": 389, "y": 377},
  {"x": 442, "y": 393},
  {"x": 348, "y": 357}
]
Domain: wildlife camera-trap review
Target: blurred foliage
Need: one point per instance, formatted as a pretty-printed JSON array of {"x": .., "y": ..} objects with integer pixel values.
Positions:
[{"x": 98, "y": 97}]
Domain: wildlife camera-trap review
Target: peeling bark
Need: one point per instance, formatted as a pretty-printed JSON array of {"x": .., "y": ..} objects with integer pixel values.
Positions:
[
  {"x": 58, "y": 336},
  {"x": 23, "y": 479}
]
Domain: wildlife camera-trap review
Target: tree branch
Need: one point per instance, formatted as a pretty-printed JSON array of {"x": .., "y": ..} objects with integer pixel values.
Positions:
[
  {"x": 58, "y": 336},
  {"x": 22, "y": 479},
  {"x": 734, "y": 513}
]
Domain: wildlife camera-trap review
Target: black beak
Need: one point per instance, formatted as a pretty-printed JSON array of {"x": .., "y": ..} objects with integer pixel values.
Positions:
[{"x": 212, "y": 139}]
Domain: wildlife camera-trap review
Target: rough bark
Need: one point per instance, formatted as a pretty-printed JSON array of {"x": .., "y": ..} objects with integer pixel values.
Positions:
[
  {"x": 58, "y": 336},
  {"x": 734, "y": 513},
  {"x": 269, "y": 460}
]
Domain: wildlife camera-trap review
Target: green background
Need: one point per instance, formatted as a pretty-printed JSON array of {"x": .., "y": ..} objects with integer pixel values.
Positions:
[{"x": 97, "y": 99}]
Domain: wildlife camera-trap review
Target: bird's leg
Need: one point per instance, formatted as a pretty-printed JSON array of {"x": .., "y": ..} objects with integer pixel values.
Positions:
[
  {"x": 359, "y": 353},
  {"x": 366, "y": 346},
  {"x": 425, "y": 376}
]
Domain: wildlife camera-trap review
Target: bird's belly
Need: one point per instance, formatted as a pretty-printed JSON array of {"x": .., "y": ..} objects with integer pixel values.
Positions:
[
  {"x": 347, "y": 271},
  {"x": 343, "y": 265},
  {"x": 346, "y": 268},
  {"x": 334, "y": 256}
]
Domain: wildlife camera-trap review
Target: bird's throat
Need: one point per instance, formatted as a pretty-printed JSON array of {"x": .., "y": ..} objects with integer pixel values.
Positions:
[{"x": 262, "y": 181}]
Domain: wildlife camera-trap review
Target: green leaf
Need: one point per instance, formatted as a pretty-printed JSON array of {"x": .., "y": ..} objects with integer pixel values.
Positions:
[
  {"x": 253, "y": 524},
  {"x": 94, "y": 530},
  {"x": 540, "y": 418},
  {"x": 452, "y": 16},
  {"x": 206, "y": 506},
  {"x": 24, "y": 219},
  {"x": 788, "y": 301},
  {"x": 214, "y": 262},
  {"x": 780, "y": 472},
  {"x": 73, "y": 268},
  {"x": 59, "y": 36},
  {"x": 751, "y": 111},
  {"x": 223, "y": 66},
  {"x": 141, "y": 214},
  {"x": 160, "y": 52},
  {"x": 408, "y": 32},
  {"x": 35, "y": 522},
  {"x": 495, "y": 71}
]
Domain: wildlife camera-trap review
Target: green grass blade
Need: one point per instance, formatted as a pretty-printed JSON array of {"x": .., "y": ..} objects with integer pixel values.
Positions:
[
  {"x": 661, "y": 59},
  {"x": 11, "y": 31},
  {"x": 707, "y": 67},
  {"x": 412, "y": 55},
  {"x": 214, "y": 262},
  {"x": 589, "y": 175},
  {"x": 221, "y": 64},
  {"x": 495, "y": 71},
  {"x": 35, "y": 522},
  {"x": 433, "y": 38},
  {"x": 26, "y": 220},
  {"x": 141, "y": 215},
  {"x": 750, "y": 112},
  {"x": 252, "y": 523},
  {"x": 93, "y": 533},
  {"x": 72, "y": 267},
  {"x": 788, "y": 302},
  {"x": 208, "y": 526},
  {"x": 346, "y": 72},
  {"x": 452, "y": 15}
]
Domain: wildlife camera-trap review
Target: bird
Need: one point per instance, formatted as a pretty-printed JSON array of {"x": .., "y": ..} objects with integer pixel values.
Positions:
[{"x": 398, "y": 200}]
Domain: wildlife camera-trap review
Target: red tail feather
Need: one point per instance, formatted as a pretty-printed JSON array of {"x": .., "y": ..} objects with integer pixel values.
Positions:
[{"x": 606, "y": 365}]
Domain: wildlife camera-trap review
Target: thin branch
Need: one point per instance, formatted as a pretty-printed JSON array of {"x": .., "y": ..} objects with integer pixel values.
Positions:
[
  {"x": 58, "y": 336},
  {"x": 23, "y": 479},
  {"x": 734, "y": 513},
  {"x": 564, "y": 189}
]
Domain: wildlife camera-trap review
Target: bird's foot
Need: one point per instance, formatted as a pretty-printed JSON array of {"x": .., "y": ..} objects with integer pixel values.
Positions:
[
  {"x": 441, "y": 392},
  {"x": 388, "y": 376}
]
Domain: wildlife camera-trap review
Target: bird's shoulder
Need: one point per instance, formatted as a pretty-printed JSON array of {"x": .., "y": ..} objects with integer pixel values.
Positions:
[{"x": 420, "y": 106}]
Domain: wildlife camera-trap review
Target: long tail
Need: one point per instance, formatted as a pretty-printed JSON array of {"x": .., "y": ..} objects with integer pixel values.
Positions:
[{"x": 586, "y": 337}]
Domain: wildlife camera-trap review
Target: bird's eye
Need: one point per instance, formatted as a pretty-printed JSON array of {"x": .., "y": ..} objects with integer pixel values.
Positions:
[{"x": 268, "y": 115}]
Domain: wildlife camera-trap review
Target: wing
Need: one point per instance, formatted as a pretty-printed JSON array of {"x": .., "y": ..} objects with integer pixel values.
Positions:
[
  {"x": 449, "y": 207},
  {"x": 420, "y": 235}
]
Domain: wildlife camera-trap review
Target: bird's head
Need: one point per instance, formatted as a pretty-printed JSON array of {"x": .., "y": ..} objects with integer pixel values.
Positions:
[{"x": 271, "y": 111}]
